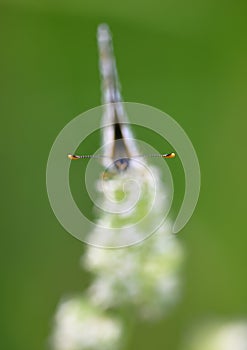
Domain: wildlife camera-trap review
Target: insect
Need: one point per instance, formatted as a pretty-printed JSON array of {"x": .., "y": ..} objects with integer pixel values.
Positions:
[{"x": 118, "y": 140}]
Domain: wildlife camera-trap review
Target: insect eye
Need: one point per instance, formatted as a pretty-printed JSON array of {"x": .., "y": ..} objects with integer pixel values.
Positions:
[{"x": 122, "y": 164}]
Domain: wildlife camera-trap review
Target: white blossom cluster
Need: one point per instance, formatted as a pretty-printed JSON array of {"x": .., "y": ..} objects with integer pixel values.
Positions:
[
  {"x": 133, "y": 206},
  {"x": 80, "y": 325},
  {"x": 219, "y": 336},
  {"x": 143, "y": 278}
]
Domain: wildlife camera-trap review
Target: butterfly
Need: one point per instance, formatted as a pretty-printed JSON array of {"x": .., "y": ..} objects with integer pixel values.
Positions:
[{"x": 119, "y": 145}]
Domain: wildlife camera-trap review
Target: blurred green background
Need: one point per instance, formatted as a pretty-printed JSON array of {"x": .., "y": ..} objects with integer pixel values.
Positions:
[{"x": 186, "y": 58}]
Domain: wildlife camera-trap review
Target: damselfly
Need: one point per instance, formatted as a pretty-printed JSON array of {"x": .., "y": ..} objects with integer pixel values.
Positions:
[{"x": 118, "y": 141}]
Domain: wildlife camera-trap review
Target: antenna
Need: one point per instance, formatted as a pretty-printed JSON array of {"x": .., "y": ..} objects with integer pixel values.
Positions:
[{"x": 166, "y": 155}]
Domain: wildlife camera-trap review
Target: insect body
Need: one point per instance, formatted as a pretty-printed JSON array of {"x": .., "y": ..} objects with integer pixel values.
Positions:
[{"x": 118, "y": 140}]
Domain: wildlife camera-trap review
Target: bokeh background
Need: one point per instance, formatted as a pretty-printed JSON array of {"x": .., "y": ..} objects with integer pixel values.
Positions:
[{"x": 186, "y": 58}]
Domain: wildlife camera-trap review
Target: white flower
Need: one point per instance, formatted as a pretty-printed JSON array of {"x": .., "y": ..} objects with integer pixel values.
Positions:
[
  {"x": 145, "y": 276},
  {"x": 79, "y": 326},
  {"x": 133, "y": 206},
  {"x": 219, "y": 336}
]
